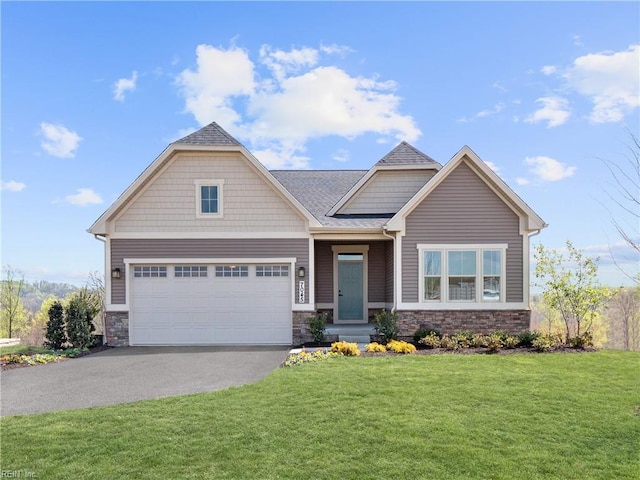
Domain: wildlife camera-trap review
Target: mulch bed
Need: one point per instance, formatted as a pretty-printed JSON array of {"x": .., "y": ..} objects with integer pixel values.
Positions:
[{"x": 11, "y": 366}]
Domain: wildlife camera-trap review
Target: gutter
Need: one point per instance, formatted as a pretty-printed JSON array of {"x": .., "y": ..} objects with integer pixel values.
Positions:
[{"x": 103, "y": 239}]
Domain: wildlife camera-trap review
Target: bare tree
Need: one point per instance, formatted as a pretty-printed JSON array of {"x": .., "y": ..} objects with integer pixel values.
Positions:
[
  {"x": 624, "y": 319},
  {"x": 13, "y": 313},
  {"x": 626, "y": 196}
]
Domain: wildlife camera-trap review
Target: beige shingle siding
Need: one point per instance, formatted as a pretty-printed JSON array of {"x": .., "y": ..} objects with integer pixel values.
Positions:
[
  {"x": 249, "y": 204},
  {"x": 462, "y": 209},
  {"x": 387, "y": 191},
  {"x": 203, "y": 248}
]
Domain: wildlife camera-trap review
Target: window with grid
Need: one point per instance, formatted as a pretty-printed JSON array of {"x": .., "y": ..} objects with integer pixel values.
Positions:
[
  {"x": 272, "y": 271},
  {"x": 149, "y": 271},
  {"x": 183, "y": 271},
  {"x": 232, "y": 271}
]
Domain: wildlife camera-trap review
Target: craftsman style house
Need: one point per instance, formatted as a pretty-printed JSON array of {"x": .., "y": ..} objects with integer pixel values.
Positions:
[{"x": 207, "y": 246}]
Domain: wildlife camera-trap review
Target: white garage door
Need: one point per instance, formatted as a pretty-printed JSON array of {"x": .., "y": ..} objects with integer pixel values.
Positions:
[{"x": 210, "y": 304}]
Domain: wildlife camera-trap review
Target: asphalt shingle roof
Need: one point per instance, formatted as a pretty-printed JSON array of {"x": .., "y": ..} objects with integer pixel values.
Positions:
[
  {"x": 212, "y": 134},
  {"x": 405, "y": 154},
  {"x": 320, "y": 190}
]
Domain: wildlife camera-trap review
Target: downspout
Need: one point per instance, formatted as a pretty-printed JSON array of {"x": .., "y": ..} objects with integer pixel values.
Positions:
[
  {"x": 384, "y": 232},
  {"x": 103, "y": 239}
]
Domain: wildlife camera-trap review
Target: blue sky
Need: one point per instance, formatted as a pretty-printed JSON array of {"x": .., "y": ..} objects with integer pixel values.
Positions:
[{"x": 93, "y": 92}]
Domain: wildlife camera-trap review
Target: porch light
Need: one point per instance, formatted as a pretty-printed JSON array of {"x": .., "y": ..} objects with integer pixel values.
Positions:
[
  {"x": 301, "y": 271},
  {"x": 115, "y": 273}
]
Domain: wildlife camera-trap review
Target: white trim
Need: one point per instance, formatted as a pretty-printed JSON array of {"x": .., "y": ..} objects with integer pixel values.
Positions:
[
  {"x": 303, "y": 307},
  {"x": 489, "y": 177},
  {"x": 364, "y": 250},
  {"x": 210, "y": 261},
  {"x": 398, "y": 264},
  {"x": 479, "y": 249},
  {"x": 347, "y": 233},
  {"x": 526, "y": 270},
  {"x": 219, "y": 184},
  {"x": 311, "y": 272},
  {"x": 116, "y": 307},
  {"x": 208, "y": 234},
  {"x": 370, "y": 305},
  {"x": 462, "y": 306},
  {"x": 107, "y": 270}
]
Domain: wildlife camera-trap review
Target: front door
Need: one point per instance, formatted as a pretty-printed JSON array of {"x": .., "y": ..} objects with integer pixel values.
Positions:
[{"x": 351, "y": 288}]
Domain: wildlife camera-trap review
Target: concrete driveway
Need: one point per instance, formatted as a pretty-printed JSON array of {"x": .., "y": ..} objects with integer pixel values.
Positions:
[{"x": 128, "y": 374}]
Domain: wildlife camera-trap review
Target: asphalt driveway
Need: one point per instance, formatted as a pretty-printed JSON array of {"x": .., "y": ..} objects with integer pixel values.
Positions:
[{"x": 128, "y": 374}]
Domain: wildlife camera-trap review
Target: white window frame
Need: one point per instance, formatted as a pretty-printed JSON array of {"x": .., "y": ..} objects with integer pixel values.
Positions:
[
  {"x": 444, "y": 250},
  {"x": 219, "y": 183}
]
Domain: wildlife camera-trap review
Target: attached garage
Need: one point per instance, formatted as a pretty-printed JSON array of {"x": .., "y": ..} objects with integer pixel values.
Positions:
[{"x": 210, "y": 304}]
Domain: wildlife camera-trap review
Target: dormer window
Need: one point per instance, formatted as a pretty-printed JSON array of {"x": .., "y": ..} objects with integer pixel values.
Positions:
[{"x": 209, "y": 198}]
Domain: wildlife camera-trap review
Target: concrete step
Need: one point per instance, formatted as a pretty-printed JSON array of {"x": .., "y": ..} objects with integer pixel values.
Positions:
[{"x": 354, "y": 338}]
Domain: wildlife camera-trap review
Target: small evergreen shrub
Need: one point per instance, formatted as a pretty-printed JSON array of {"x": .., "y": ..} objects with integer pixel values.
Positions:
[
  {"x": 544, "y": 343},
  {"x": 374, "y": 347},
  {"x": 318, "y": 327},
  {"x": 346, "y": 348},
  {"x": 449, "y": 343},
  {"x": 400, "y": 346},
  {"x": 54, "y": 332},
  {"x": 432, "y": 340},
  {"x": 386, "y": 324},
  {"x": 526, "y": 338},
  {"x": 463, "y": 339},
  {"x": 79, "y": 323}
]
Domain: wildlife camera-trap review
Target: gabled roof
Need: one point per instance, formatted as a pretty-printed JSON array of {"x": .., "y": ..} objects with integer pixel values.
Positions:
[
  {"x": 212, "y": 134},
  {"x": 318, "y": 190},
  {"x": 404, "y": 157},
  {"x": 209, "y": 136},
  {"x": 405, "y": 154},
  {"x": 532, "y": 221}
]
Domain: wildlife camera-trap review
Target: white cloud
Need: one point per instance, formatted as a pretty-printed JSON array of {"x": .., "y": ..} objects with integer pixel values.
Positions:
[
  {"x": 499, "y": 86},
  {"x": 610, "y": 80},
  {"x": 85, "y": 196},
  {"x": 341, "y": 155},
  {"x": 59, "y": 141},
  {"x": 547, "y": 169},
  {"x": 124, "y": 85},
  {"x": 497, "y": 108},
  {"x": 335, "y": 49},
  {"x": 577, "y": 41},
  {"x": 220, "y": 76},
  {"x": 549, "y": 69},
  {"x": 555, "y": 111},
  {"x": 12, "y": 186},
  {"x": 297, "y": 99},
  {"x": 522, "y": 181},
  {"x": 493, "y": 166}
]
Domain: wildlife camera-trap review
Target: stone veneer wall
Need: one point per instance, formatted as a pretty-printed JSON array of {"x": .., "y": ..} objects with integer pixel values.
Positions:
[
  {"x": 450, "y": 322},
  {"x": 117, "y": 329}
]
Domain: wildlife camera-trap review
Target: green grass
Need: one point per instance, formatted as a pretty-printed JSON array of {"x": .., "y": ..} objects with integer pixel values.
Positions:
[
  {"x": 552, "y": 416},
  {"x": 23, "y": 350}
]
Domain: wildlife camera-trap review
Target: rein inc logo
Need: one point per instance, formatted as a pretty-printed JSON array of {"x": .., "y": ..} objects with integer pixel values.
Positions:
[{"x": 18, "y": 474}]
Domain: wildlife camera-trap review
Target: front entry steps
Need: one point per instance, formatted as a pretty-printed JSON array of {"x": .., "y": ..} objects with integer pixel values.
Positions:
[{"x": 355, "y": 333}]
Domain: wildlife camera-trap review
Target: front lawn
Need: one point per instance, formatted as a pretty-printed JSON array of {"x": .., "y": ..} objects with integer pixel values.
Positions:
[{"x": 550, "y": 416}]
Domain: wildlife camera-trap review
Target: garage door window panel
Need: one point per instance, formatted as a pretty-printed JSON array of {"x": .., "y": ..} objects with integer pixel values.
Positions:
[
  {"x": 224, "y": 271},
  {"x": 150, "y": 271},
  {"x": 186, "y": 271},
  {"x": 272, "y": 271}
]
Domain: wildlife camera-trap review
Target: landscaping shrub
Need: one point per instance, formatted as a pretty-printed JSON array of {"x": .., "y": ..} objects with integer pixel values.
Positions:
[
  {"x": 424, "y": 332},
  {"x": 432, "y": 340},
  {"x": 480, "y": 341},
  {"x": 374, "y": 347},
  {"x": 544, "y": 343},
  {"x": 581, "y": 341},
  {"x": 494, "y": 342},
  {"x": 318, "y": 327},
  {"x": 345, "y": 348},
  {"x": 386, "y": 325},
  {"x": 449, "y": 343},
  {"x": 55, "y": 335},
  {"x": 526, "y": 338},
  {"x": 463, "y": 339},
  {"x": 79, "y": 324},
  {"x": 510, "y": 341},
  {"x": 305, "y": 357},
  {"x": 400, "y": 346}
]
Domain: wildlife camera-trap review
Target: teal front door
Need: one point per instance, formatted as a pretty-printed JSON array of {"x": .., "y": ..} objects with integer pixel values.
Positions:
[{"x": 351, "y": 287}]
